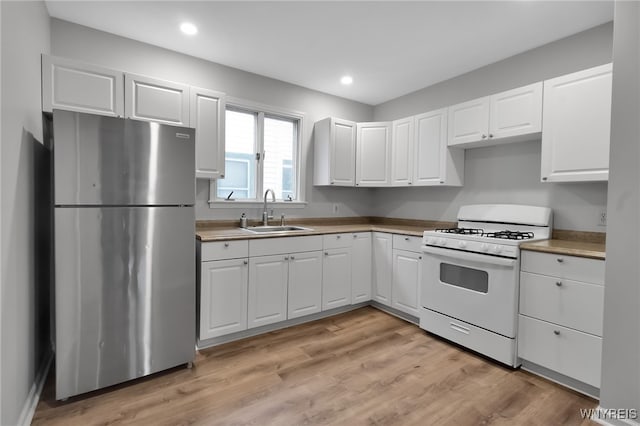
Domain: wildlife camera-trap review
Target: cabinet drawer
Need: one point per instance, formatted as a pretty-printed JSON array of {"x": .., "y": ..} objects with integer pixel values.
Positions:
[
  {"x": 331, "y": 241},
  {"x": 407, "y": 242},
  {"x": 565, "y": 302},
  {"x": 219, "y": 250},
  {"x": 566, "y": 351},
  {"x": 568, "y": 267},
  {"x": 269, "y": 246}
]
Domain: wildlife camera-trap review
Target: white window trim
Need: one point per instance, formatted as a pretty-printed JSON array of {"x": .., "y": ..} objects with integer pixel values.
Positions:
[{"x": 264, "y": 109}]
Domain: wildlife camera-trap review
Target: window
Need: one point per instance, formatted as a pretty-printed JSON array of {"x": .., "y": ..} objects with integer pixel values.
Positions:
[{"x": 261, "y": 153}]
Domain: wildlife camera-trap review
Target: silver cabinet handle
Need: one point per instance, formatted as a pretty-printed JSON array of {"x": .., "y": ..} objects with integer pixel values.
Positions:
[
  {"x": 406, "y": 238},
  {"x": 490, "y": 135},
  {"x": 245, "y": 262},
  {"x": 326, "y": 253},
  {"x": 559, "y": 283},
  {"x": 338, "y": 236},
  {"x": 484, "y": 136},
  {"x": 556, "y": 332},
  {"x": 408, "y": 183},
  {"x": 293, "y": 257},
  {"x": 286, "y": 258},
  {"x": 226, "y": 244},
  {"x": 420, "y": 257},
  {"x": 560, "y": 260},
  {"x": 544, "y": 178},
  {"x": 355, "y": 236}
]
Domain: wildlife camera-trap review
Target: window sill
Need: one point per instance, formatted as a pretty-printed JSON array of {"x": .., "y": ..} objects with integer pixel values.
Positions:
[{"x": 239, "y": 204}]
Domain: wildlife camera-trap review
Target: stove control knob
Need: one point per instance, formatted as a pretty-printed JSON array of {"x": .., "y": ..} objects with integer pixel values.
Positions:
[
  {"x": 484, "y": 247},
  {"x": 462, "y": 244},
  {"x": 442, "y": 242},
  {"x": 497, "y": 248}
]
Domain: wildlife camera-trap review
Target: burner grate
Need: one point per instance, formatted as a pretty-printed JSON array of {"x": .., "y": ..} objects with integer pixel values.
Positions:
[
  {"x": 461, "y": 231},
  {"x": 510, "y": 235}
]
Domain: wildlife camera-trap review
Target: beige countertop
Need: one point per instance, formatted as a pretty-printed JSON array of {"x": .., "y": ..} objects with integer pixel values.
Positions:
[
  {"x": 234, "y": 233},
  {"x": 592, "y": 250}
]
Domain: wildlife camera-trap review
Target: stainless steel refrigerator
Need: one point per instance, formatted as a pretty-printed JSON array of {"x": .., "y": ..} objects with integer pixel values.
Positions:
[{"x": 124, "y": 193}]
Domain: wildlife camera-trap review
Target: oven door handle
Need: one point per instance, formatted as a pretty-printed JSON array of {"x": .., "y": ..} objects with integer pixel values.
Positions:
[{"x": 472, "y": 257}]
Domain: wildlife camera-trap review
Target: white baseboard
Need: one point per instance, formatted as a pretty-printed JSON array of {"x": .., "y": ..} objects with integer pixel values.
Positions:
[
  {"x": 30, "y": 404},
  {"x": 612, "y": 422}
]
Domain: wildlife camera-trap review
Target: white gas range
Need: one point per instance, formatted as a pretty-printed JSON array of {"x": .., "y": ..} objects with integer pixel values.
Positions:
[{"x": 470, "y": 278}]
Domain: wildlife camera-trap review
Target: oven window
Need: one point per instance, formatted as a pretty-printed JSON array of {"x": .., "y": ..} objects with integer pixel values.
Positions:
[{"x": 459, "y": 276}]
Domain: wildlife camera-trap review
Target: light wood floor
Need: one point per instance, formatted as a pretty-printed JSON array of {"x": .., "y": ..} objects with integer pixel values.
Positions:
[{"x": 362, "y": 367}]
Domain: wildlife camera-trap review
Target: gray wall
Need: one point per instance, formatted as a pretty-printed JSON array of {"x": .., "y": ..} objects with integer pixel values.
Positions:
[
  {"x": 508, "y": 173},
  {"x": 621, "y": 351},
  {"x": 97, "y": 47},
  {"x": 25, "y": 35}
]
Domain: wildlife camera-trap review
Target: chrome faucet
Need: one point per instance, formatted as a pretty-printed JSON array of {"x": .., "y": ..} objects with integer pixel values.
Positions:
[{"x": 265, "y": 215}]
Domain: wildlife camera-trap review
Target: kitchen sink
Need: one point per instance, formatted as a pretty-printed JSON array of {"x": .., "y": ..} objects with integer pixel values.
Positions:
[{"x": 275, "y": 229}]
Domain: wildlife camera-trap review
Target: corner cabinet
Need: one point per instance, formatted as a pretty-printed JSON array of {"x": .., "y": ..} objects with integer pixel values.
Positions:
[
  {"x": 207, "y": 116},
  {"x": 76, "y": 86},
  {"x": 373, "y": 154},
  {"x": 334, "y": 152},
  {"x": 151, "y": 99},
  {"x": 577, "y": 126}
]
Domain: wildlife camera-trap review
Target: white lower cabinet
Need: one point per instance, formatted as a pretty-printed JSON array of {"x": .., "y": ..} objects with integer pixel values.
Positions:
[
  {"x": 382, "y": 246},
  {"x": 407, "y": 272},
  {"x": 268, "y": 278},
  {"x": 361, "y": 267},
  {"x": 336, "y": 278},
  {"x": 560, "y": 321},
  {"x": 223, "y": 297},
  {"x": 305, "y": 284}
]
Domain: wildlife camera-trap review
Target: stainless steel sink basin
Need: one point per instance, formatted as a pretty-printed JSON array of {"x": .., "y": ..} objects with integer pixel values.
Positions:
[{"x": 275, "y": 229}]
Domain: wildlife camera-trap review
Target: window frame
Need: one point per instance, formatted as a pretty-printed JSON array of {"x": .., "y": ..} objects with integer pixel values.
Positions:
[{"x": 268, "y": 111}]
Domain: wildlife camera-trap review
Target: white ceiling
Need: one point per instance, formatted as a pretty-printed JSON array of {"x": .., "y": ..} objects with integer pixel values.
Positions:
[{"x": 390, "y": 48}]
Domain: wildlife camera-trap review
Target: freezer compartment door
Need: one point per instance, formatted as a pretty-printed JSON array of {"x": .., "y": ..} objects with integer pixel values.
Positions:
[
  {"x": 124, "y": 294},
  {"x": 113, "y": 161}
]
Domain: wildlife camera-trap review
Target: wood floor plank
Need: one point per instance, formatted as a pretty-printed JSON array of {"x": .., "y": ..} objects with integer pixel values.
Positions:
[{"x": 363, "y": 367}]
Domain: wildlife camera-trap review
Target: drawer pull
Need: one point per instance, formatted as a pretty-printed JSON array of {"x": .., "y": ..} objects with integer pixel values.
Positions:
[
  {"x": 355, "y": 236},
  {"x": 560, "y": 260},
  {"x": 245, "y": 262},
  {"x": 559, "y": 283},
  {"x": 338, "y": 237},
  {"x": 420, "y": 257},
  {"x": 226, "y": 244},
  {"x": 286, "y": 258},
  {"x": 459, "y": 328},
  {"x": 293, "y": 258},
  {"x": 326, "y": 253},
  {"x": 556, "y": 332},
  {"x": 406, "y": 238}
]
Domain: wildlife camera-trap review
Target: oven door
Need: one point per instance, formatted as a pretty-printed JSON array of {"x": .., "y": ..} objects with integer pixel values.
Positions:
[{"x": 476, "y": 288}]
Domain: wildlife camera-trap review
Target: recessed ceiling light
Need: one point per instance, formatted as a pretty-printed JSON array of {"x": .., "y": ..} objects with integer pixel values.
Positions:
[
  {"x": 346, "y": 80},
  {"x": 188, "y": 28}
]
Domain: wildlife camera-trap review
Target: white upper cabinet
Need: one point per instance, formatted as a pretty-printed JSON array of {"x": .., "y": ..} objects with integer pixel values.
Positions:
[
  {"x": 434, "y": 162},
  {"x": 373, "y": 154},
  {"x": 334, "y": 152},
  {"x": 150, "y": 99},
  {"x": 76, "y": 86},
  {"x": 577, "y": 126},
  {"x": 469, "y": 122},
  {"x": 516, "y": 112},
  {"x": 207, "y": 113},
  {"x": 511, "y": 116},
  {"x": 402, "y": 152}
]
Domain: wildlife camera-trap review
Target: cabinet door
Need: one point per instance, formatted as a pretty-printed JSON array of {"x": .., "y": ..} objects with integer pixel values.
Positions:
[
  {"x": 223, "y": 297},
  {"x": 76, "y": 86},
  {"x": 430, "y": 148},
  {"x": 373, "y": 154},
  {"x": 267, "y": 290},
  {"x": 336, "y": 278},
  {"x": 361, "y": 267},
  {"x": 342, "y": 165},
  {"x": 406, "y": 281},
  {"x": 516, "y": 112},
  {"x": 150, "y": 99},
  {"x": 469, "y": 122},
  {"x": 207, "y": 112},
  {"x": 382, "y": 259},
  {"x": 305, "y": 284},
  {"x": 576, "y": 126},
  {"x": 402, "y": 152}
]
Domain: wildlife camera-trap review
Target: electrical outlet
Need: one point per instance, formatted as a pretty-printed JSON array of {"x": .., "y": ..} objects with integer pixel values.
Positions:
[
  {"x": 335, "y": 209},
  {"x": 602, "y": 219}
]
